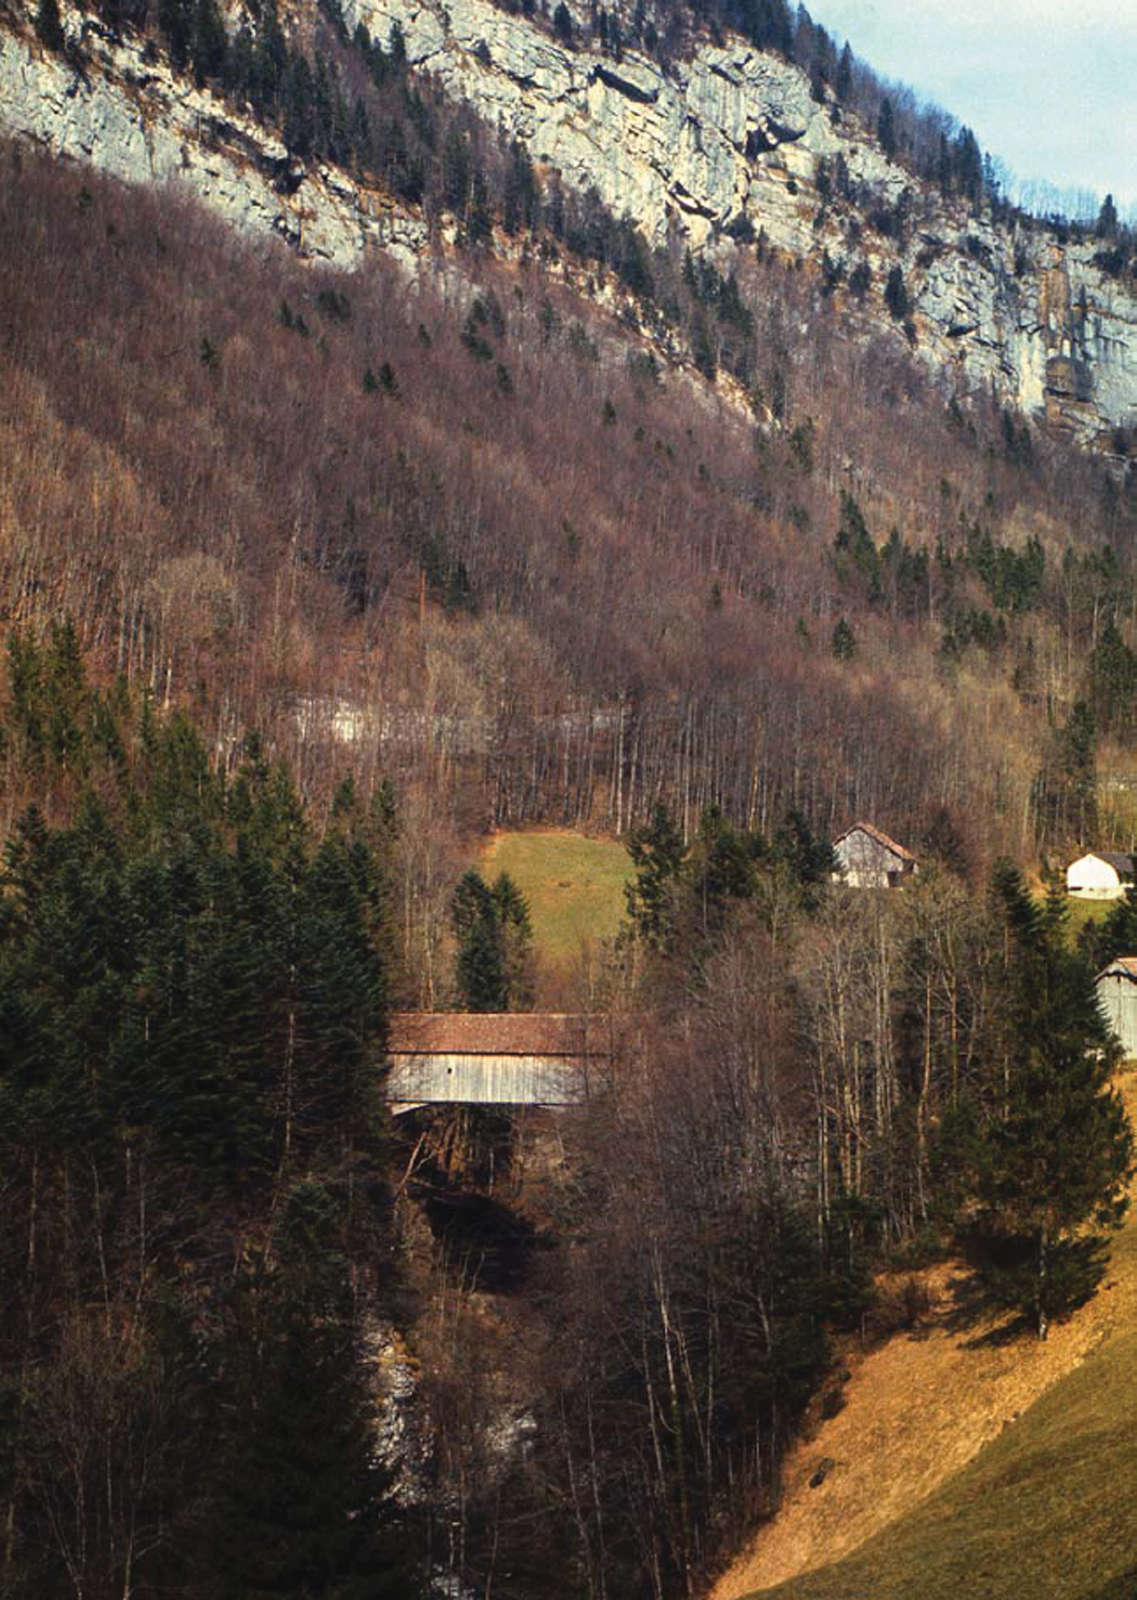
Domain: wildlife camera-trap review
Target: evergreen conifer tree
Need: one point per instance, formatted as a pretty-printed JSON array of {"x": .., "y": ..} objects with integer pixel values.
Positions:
[
  {"x": 657, "y": 851},
  {"x": 1118, "y": 935},
  {"x": 300, "y": 1506},
  {"x": 209, "y": 41},
  {"x": 1107, "y": 222},
  {"x": 49, "y": 25},
  {"x": 516, "y": 935},
  {"x": 844, "y": 640},
  {"x": 480, "y": 971},
  {"x": 175, "y": 19},
  {"x": 896, "y": 295},
  {"x": 340, "y": 1011},
  {"x": 1058, "y": 1151},
  {"x": 299, "y": 97},
  {"x": 1113, "y": 681},
  {"x": 843, "y": 83}
]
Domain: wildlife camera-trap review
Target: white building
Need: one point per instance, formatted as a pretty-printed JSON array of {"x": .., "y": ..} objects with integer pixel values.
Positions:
[
  {"x": 1101, "y": 875},
  {"x": 869, "y": 859},
  {"x": 1117, "y": 997}
]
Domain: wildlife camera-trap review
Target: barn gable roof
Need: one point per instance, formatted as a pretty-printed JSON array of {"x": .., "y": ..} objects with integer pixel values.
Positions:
[
  {"x": 492, "y": 1033},
  {"x": 1121, "y": 863},
  {"x": 880, "y": 838},
  {"x": 1122, "y": 967}
]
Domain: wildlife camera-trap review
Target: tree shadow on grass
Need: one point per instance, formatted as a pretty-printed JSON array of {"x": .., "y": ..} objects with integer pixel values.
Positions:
[{"x": 970, "y": 1316}]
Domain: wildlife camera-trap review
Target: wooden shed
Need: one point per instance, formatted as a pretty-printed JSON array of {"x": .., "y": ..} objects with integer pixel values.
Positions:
[
  {"x": 1100, "y": 875},
  {"x": 1117, "y": 997},
  {"x": 868, "y": 859},
  {"x": 492, "y": 1058}
]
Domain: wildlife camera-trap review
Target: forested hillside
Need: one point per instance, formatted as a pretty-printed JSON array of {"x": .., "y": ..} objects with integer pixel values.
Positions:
[
  {"x": 196, "y": 1209},
  {"x": 496, "y": 540}
]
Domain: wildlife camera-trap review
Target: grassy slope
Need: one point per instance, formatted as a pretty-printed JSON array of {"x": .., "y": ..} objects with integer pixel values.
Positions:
[
  {"x": 1046, "y": 1506},
  {"x": 1048, "y": 1509},
  {"x": 574, "y": 886}
]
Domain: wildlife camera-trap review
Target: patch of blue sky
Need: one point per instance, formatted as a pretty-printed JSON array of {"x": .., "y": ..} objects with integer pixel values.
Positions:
[{"x": 1048, "y": 87}]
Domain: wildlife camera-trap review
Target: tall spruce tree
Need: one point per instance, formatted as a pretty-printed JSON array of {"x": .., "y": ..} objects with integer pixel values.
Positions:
[
  {"x": 516, "y": 935},
  {"x": 493, "y": 969},
  {"x": 300, "y": 1505},
  {"x": 1057, "y": 1152},
  {"x": 49, "y": 25},
  {"x": 658, "y": 852},
  {"x": 1117, "y": 935}
]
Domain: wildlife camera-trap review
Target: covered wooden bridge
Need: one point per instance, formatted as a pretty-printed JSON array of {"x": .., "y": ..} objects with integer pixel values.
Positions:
[{"x": 499, "y": 1059}]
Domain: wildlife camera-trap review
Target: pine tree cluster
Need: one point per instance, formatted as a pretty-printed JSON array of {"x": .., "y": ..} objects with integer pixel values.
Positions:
[{"x": 192, "y": 1014}]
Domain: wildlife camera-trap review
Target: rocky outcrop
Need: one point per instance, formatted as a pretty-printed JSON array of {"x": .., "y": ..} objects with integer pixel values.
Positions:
[
  {"x": 732, "y": 137},
  {"x": 730, "y": 133},
  {"x": 128, "y": 114},
  {"x": 725, "y": 145}
]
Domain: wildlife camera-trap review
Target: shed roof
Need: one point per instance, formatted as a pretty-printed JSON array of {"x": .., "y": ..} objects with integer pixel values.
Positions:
[
  {"x": 880, "y": 837},
  {"x": 1122, "y": 967},
  {"x": 495, "y": 1033}
]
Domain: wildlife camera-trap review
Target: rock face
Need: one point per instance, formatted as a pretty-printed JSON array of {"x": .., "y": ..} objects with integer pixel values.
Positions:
[
  {"x": 727, "y": 141},
  {"x": 734, "y": 134},
  {"x": 731, "y": 133},
  {"x": 129, "y": 115}
]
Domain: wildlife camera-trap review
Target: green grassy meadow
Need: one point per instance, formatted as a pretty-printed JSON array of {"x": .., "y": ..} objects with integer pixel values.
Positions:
[
  {"x": 1047, "y": 1510},
  {"x": 574, "y": 886}
]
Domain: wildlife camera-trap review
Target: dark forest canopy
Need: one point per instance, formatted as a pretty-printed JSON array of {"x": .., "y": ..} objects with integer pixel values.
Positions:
[{"x": 196, "y": 1214}]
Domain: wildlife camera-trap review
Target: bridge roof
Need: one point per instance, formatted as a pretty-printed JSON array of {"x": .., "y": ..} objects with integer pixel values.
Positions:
[{"x": 514, "y": 1033}]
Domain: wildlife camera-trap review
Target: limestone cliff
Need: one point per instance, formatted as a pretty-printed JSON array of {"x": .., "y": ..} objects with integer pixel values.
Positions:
[
  {"x": 734, "y": 133},
  {"x": 709, "y": 148},
  {"x": 128, "y": 114}
]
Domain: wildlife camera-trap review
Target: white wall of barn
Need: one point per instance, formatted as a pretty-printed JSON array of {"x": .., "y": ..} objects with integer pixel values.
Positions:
[
  {"x": 1093, "y": 878},
  {"x": 864, "y": 863}
]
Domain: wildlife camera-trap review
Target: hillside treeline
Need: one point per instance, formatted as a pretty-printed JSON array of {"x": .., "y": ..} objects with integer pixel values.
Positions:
[{"x": 493, "y": 546}]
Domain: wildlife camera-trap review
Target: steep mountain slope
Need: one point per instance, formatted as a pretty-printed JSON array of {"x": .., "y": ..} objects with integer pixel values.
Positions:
[
  {"x": 116, "y": 103},
  {"x": 733, "y": 140},
  {"x": 959, "y": 1459},
  {"x": 518, "y": 520},
  {"x": 727, "y": 145},
  {"x": 677, "y": 479},
  {"x": 353, "y": 483}
]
